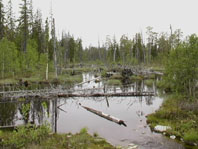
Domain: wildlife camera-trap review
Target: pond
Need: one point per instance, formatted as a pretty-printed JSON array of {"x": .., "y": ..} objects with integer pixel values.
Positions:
[{"x": 65, "y": 115}]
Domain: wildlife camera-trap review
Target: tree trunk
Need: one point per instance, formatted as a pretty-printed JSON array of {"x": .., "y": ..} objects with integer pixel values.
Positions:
[{"x": 106, "y": 116}]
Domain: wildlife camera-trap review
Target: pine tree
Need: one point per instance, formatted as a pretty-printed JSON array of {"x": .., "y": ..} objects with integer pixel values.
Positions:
[
  {"x": 31, "y": 16},
  {"x": 24, "y": 23},
  {"x": 38, "y": 32},
  {"x": 80, "y": 50},
  {"x": 71, "y": 49},
  {"x": 1, "y": 19},
  {"x": 10, "y": 22}
]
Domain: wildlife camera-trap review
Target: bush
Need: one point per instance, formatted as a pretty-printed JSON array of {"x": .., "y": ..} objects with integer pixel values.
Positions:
[
  {"x": 25, "y": 135},
  {"x": 182, "y": 67}
]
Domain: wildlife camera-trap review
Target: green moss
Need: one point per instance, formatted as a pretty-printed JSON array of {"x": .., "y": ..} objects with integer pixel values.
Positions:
[{"x": 184, "y": 122}]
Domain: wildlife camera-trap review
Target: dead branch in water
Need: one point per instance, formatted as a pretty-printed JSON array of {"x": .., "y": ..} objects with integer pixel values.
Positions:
[{"x": 106, "y": 116}]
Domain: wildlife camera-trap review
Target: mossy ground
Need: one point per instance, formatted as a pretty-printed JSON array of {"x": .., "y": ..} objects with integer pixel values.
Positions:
[
  {"x": 37, "y": 138},
  {"x": 181, "y": 115}
]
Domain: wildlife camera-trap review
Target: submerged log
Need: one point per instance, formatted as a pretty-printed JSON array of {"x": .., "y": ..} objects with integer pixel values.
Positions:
[
  {"x": 106, "y": 116},
  {"x": 107, "y": 94}
]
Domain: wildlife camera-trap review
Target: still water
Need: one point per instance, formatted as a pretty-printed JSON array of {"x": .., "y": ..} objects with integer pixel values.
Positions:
[{"x": 65, "y": 115}]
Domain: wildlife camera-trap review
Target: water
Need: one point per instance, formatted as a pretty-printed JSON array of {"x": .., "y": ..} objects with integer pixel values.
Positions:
[{"x": 70, "y": 117}]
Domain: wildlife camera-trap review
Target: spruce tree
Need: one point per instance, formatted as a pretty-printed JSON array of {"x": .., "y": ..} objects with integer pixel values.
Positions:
[
  {"x": 10, "y": 21},
  {"x": 24, "y": 23},
  {"x": 1, "y": 19}
]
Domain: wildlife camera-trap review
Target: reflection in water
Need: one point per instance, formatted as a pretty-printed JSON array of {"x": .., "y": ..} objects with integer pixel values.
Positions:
[
  {"x": 65, "y": 115},
  {"x": 7, "y": 113}
]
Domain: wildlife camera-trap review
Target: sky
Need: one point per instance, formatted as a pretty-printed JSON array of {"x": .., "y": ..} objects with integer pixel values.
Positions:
[{"x": 93, "y": 20}]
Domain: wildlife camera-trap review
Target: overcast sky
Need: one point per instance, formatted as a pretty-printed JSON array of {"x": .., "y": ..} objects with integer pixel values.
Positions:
[{"x": 92, "y": 20}]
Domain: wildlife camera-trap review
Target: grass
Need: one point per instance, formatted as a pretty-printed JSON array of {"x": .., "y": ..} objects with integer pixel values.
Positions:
[
  {"x": 181, "y": 116},
  {"x": 77, "y": 70},
  {"x": 134, "y": 77},
  {"x": 37, "y": 80},
  {"x": 114, "y": 82},
  {"x": 33, "y": 138},
  {"x": 8, "y": 81},
  {"x": 191, "y": 135},
  {"x": 70, "y": 79}
]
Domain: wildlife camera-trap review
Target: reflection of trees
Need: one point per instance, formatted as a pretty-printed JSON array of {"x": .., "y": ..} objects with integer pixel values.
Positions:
[
  {"x": 149, "y": 100},
  {"x": 24, "y": 110},
  {"x": 34, "y": 110},
  {"x": 7, "y": 113},
  {"x": 54, "y": 115},
  {"x": 39, "y": 109}
]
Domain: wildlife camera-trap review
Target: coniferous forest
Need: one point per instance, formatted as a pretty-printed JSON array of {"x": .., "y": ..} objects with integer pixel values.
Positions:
[{"x": 33, "y": 44}]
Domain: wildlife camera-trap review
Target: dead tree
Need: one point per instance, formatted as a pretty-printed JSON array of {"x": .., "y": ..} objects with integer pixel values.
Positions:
[{"x": 106, "y": 116}]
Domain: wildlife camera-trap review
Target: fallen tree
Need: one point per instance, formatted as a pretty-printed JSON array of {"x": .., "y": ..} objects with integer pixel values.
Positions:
[
  {"x": 51, "y": 95},
  {"x": 107, "y": 94},
  {"x": 106, "y": 116}
]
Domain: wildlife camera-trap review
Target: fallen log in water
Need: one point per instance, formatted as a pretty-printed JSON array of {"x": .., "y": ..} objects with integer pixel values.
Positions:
[
  {"x": 107, "y": 94},
  {"x": 51, "y": 95},
  {"x": 106, "y": 116}
]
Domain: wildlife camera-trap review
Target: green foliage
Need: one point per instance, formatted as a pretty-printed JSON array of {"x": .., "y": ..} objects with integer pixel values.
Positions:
[
  {"x": 83, "y": 131},
  {"x": 2, "y": 17},
  {"x": 184, "y": 122},
  {"x": 27, "y": 135},
  {"x": 8, "y": 57},
  {"x": 31, "y": 57},
  {"x": 191, "y": 136},
  {"x": 38, "y": 137},
  {"x": 71, "y": 49},
  {"x": 182, "y": 67},
  {"x": 44, "y": 104},
  {"x": 134, "y": 77},
  {"x": 25, "y": 110}
]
